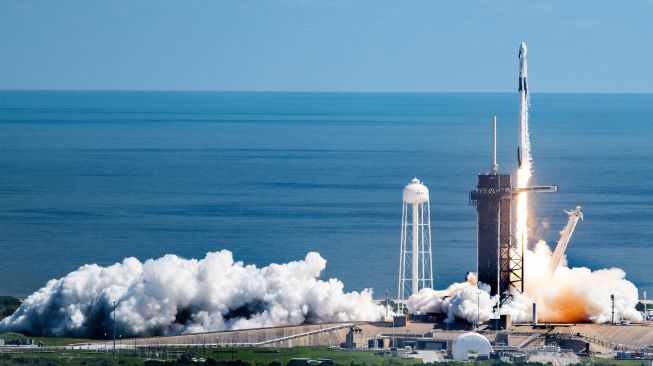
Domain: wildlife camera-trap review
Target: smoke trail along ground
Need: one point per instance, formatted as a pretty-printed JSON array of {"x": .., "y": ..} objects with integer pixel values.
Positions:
[{"x": 172, "y": 295}]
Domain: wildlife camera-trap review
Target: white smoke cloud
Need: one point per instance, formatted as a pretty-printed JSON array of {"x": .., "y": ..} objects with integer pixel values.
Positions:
[
  {"x": 568, "y": 295},
  {"x": 173, "y": 295},
  {"x": 572, "y": 294},
  {"x": 468, "y": 300}
]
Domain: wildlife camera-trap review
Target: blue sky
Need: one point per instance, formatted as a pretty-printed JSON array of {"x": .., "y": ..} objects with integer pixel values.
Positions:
[{"x": 326, "y": 45}]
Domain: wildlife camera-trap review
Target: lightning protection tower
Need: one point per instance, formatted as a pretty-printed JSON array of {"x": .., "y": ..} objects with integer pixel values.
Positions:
[{"x": 415, "y": 262}]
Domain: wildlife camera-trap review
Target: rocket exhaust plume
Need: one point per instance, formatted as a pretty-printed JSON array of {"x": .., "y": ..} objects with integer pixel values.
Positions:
[
  {"x": 172, "y": 295},
  {"x": 571, "y": 295},
  {"x": 524, "y": 158}
]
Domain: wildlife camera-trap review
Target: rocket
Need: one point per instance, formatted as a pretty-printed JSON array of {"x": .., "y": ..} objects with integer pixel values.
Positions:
[
  {"x": 523, "y": 101},
  {"x": 523, "y": 68}
]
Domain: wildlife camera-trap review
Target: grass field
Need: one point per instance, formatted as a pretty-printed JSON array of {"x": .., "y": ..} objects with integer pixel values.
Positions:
[
  {"x": 224, "y": 356},
  {"x": 232, "y": 357},
  {"x": 48, "y": 341}
]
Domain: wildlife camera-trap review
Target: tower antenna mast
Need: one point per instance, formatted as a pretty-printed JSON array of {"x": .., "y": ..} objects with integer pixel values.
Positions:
[{"x": 495, "y": 166}]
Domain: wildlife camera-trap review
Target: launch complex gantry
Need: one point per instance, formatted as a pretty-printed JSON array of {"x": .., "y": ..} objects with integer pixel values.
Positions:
[{"x": 500, "y": 261}]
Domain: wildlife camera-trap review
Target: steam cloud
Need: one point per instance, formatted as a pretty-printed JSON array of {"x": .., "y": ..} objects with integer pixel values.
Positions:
[
  {"x": 467, "y": 300},
  {"x": 573, "y": 295},
  {"x": 172, "y": 295},
  {"x": 568, "y": 295}
]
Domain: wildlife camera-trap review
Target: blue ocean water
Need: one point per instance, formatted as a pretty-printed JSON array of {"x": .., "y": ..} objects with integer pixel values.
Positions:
[{"x": 93, "y": 177}]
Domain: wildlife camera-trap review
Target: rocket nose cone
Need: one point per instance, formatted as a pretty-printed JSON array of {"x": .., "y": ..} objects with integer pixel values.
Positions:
[{"x": 522, "y": 50}]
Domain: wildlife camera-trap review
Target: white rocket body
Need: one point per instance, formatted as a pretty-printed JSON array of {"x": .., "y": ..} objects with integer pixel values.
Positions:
[{"x": 523, "y": 105}]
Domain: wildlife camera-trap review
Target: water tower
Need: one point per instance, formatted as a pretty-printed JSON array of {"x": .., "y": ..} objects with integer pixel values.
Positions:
[{"x": 415, "y": 264}]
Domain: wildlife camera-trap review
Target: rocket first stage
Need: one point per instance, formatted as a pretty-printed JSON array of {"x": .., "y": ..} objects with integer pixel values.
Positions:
[{"x": 523, "y": 102}]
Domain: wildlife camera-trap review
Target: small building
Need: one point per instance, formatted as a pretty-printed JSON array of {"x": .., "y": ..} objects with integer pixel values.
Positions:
[
  {"x": 430, "y": 344},
  {"x": 19, "y": 342},
  {"x": 354, "y": 338},
  {"x": 399, "y": 321}
]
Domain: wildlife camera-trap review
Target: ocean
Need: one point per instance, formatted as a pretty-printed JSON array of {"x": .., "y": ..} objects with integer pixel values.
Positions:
[{"x": 94, "y": 177}]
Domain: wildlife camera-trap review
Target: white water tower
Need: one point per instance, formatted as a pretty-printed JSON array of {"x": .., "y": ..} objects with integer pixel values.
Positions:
[{"x": 415, "y": 263}]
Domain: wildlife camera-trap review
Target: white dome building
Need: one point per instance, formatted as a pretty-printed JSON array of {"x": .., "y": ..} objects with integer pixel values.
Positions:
[{"x": 470, "y": 343}]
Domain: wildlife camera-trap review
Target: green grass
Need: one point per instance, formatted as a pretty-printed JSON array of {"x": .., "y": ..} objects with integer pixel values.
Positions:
[
  {"x": 49, "y": 341},
  {"x": 223, "y": 357},
  {"x": 253, "y": 356},
  {"x": 265, "y": 356},
  {"x": 65, "y": 359}
]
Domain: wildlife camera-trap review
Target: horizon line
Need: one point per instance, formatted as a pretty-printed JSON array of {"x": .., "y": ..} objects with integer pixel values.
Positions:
[{"x": 315, "y": 91}]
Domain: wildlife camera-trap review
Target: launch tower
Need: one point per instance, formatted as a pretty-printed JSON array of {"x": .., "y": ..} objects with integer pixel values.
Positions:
[{"x": 493, "y": 201}]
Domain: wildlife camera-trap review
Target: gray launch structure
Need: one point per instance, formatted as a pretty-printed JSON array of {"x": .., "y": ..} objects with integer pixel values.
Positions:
[
  {"x": 500, "y": 261},
  {"x": 497, "y": 266},
  {"x": 493, "y": 201}
]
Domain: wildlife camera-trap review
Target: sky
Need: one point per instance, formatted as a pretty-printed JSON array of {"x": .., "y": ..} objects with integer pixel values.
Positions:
[{"x": 326, "y": 45}]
